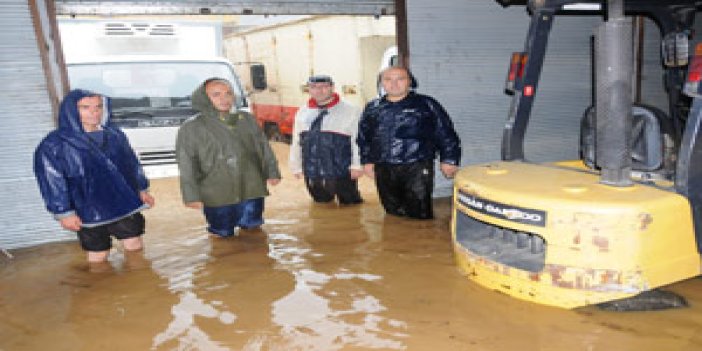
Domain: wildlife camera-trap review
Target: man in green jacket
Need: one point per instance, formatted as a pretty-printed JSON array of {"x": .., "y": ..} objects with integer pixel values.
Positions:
[{"x": 225, "y": 161}]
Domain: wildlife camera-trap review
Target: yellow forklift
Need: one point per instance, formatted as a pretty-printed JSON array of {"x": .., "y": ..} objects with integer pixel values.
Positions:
[{"x": 623, "y": 220}]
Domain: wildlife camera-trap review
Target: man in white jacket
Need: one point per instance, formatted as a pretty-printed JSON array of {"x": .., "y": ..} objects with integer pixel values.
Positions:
[{"x": 323, "y": 149}]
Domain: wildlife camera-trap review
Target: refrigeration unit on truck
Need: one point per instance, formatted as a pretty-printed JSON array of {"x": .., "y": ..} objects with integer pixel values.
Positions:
[{"x": 149, "y": 70}]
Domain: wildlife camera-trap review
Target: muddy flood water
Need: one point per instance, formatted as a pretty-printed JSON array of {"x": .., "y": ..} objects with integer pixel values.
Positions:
[{"x": 316, "y": 277}]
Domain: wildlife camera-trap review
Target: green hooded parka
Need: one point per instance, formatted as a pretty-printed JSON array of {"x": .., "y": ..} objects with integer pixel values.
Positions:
[{"x": 222, "y": 162}]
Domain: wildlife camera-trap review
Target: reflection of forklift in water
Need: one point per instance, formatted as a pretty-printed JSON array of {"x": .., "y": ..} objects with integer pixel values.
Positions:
[{"x": 622, "y": 221}]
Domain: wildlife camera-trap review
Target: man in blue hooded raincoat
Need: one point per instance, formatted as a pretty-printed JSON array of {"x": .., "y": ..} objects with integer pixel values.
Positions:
[{"x": 90, "y": 177}]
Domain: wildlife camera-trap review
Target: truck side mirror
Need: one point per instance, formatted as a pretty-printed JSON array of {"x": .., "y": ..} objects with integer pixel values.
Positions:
[{"x": 258, "y": 76}]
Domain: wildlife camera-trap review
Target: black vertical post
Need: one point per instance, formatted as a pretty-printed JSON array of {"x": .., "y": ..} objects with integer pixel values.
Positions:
[
  {"x": 401, "y": 32},
  {"x": 520, "y": 109},
  {"x": 613, "y": 100}
]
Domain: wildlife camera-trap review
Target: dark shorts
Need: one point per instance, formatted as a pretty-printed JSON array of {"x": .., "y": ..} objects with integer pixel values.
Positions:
[
  {"x": 98, "y": 238},
  {"x": 223, "y": 220}
]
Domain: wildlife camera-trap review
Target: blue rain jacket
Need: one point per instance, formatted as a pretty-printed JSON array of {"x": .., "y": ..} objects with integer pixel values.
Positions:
[
  {"x": 413, "y": 129},
  {"x": 99, "y": 183}
]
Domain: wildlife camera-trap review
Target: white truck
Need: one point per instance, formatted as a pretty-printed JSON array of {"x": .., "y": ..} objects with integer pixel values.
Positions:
[
  {"x": 348, "y": 48},
  {"x": 149, "y": 69}
]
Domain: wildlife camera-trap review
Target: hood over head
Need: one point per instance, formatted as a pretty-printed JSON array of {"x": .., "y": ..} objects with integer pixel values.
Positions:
[
  {"x": 201, "y": 102},
  {"x": 69, "y": 117}
]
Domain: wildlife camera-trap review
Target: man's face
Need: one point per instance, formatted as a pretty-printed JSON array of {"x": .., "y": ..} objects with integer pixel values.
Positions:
[
  {"x": 90, "y": 111},
  {"x": 321, "y": 92},
  {"x": 221, "y": 96},
  {"x": 396, "y": 83}
]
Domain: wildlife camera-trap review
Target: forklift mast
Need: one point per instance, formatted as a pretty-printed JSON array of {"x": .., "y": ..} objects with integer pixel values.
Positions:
[{"x": 670, "y": 16}]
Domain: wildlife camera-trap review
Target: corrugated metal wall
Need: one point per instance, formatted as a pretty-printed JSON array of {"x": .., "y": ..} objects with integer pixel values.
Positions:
[
  {"x": 652, "y": 71},
  {"x": 25, "y": 107},
  {"x": 460, "y": 50}
]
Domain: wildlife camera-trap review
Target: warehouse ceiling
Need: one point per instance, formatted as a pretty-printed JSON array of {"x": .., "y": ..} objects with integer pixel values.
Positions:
[{"x": 187, "y": 7}]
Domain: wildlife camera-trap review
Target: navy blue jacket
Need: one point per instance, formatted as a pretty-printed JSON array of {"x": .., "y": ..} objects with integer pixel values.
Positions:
[
  {"x": 326, "y": 137},
  {"x": 99, "y": 183},
  {"x": 325, "y": 154},
  {"x": 413, "y": 129}
]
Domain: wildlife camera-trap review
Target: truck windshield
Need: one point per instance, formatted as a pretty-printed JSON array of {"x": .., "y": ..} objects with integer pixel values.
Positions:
[{"x": 150, "y": 94}]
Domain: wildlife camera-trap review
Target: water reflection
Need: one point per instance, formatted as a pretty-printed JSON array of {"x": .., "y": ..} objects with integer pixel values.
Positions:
[
  {"x": 113, "y": 304},
  {"x": 317, "y": 278},
  {"x": 68, "y": 304},
  {"x": 329, "y": 309},
  {"x": 179, "y": 265}
]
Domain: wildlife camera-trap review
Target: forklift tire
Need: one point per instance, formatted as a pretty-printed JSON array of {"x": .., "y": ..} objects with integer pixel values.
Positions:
[{"x": 652, "y": 300}]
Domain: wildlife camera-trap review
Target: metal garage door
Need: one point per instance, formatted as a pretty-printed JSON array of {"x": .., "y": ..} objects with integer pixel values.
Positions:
[
  {"x": 462, "y": 60},
  {"x": 26, "y": 112}
]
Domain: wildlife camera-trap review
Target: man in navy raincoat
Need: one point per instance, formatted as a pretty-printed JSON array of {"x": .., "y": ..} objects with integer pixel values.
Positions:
[
  {"x": 399, "y": 136},
  {"x": 90, "y": 178}
]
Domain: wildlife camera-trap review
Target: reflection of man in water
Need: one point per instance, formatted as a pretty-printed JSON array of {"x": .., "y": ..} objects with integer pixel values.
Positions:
[
  {"x": 90, "y": 178},
  {"x": 224, "y": 160},
  {"x": 116, "y": 311}
]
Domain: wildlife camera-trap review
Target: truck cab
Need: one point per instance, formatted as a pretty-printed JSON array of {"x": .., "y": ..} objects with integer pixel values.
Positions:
[{"x": 149, "y": 70}]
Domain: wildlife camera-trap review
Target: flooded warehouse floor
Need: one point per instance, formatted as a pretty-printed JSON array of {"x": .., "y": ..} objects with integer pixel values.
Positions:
[{"x": 316, "y": 277}]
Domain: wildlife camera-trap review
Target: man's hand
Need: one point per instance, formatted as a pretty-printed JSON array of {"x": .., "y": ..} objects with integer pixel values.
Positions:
[
  {"x": 147, "y": 198},
  {"x": 273, "y": 181},
  {"x": 196, "y": 205},
  {"x": 448, "y": 170},
  {"x": 356, "y": 173},
  {"x": 298, "y": 175},
  {"x": 369, "y": 170},
  {"x": 71, "y": 223}
]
